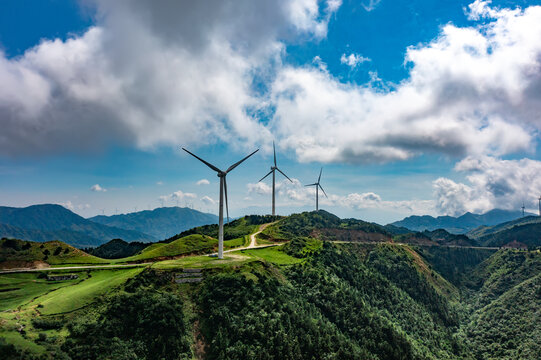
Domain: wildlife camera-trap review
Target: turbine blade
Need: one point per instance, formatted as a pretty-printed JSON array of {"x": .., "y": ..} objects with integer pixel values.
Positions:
[
  {"x": 274, "y": 148},
  {"x": 203, "y": 161},
  {"x": 284, "y": 174},
  {"x": 270, "y": 172},
  {"x": 319, "y": 178},
  {"x": 322, "y": 190},
  {"x": 312, "y": 184},
  {"x": 226, "y": 204},
  {"x": 239, "y": 162}
]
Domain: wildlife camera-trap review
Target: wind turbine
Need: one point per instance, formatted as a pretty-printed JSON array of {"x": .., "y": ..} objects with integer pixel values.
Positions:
[
  {"x": 523, "y": 209},
  {"x": 318, "y": 186},
  {"x": 273, "y": 171},
  {"x": 223, "y": 188},
  {"x": 539, "y": 205}
]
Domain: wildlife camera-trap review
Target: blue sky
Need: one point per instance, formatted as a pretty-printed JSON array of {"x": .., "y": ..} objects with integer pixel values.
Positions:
[{"x": 420, "y": 107}]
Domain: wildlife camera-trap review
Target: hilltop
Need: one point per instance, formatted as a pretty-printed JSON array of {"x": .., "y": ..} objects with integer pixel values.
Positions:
[
  {"x": 20, "y": 253},
  {"x": 50, "y": 222},
  {"x": 160, "y": 223},
  {"x": 458, "y": 225}
]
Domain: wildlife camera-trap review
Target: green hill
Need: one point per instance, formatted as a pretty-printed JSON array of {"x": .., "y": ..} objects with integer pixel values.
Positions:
[
  {"x": 20, "y": 253},
  {"x": 191, "y": 244},
  {"x": 488, "y": 230},
  {"x": 236, "y": 229},
  {"x": 524, "y": 235},
  {"x": 325, "y": 226}
]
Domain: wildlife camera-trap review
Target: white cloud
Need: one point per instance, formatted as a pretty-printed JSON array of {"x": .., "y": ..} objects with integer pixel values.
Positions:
[
  {"x": 68, "y": 205},
  {"x": 207, "y": 200},
  {"x": 83, "y": 206},
  {"x": 97, "y": 188},
  {"x": 372, "y": 4},
  {"x": 296, "y": 194},
  {"x": 176, "y": 196},
  {"x": 141, "y": 75},
  {"x": 159, "y": 183},
  {"x": 203, "y": 182},
  {"x": 492, "y": 183},
  {"x": 352, "y": 60},
  {"x": 471, "y": 91}
]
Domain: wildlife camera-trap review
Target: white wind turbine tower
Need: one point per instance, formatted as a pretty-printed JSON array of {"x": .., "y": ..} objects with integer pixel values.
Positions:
[
  {"x": 318, "y": 186},
  {"x": 539, "y": 205},
  {"x": 223, "y": 188},
  {"x": 273, "y": 171}
]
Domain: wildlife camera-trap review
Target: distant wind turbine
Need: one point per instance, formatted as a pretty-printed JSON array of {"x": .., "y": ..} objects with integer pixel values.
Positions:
[
  {"x": 539, "y": 205},
  {"x": 223, "y": 188},
  {"x": 318, "y": 186},
  {"x": 523, "y": 209},
  {"x": 273, "y": 171}
]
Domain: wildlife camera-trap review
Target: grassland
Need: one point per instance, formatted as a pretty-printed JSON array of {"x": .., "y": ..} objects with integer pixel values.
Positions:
[
  {"x": 273, "y": 255},
  {"x": 19, "y": 253},
  {"x": 34, "y": 297}
]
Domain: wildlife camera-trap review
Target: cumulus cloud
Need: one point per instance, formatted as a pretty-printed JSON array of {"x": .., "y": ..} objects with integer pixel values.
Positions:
[
  {"x": 159, "y": 183},
  {"x": 492, "y": 183},
  {"x": 207, "y": 200},
  {"x": 176, "y": 196},
  {"x": 352, "y": 60},
  {"x": 141, "y": 75},
  {"x": 296, "y": 194},
  {"x": 469, "y": 92},
  {"x": 97, "y": 188},
  {"x": 203, "y": 182}
]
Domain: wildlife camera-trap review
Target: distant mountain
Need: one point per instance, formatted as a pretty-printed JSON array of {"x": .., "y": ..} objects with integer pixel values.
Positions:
[
  {"x": 458, "y": 225},
  {"x": 161, "y": 223},
  {"x": 53, "y": 222}
]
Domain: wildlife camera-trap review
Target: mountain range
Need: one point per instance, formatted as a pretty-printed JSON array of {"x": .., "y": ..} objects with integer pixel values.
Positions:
[
  {"x": 458, "y": 225},
  {"x": 160, "y": 223},
  {"x": 49, "y": 222}
]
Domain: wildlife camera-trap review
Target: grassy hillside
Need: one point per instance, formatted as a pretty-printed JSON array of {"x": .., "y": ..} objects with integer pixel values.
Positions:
[
  {"x": 325, "y": 226},
  {"x": 19, "y": 253},
  {"x": 186, "y": 245}
]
